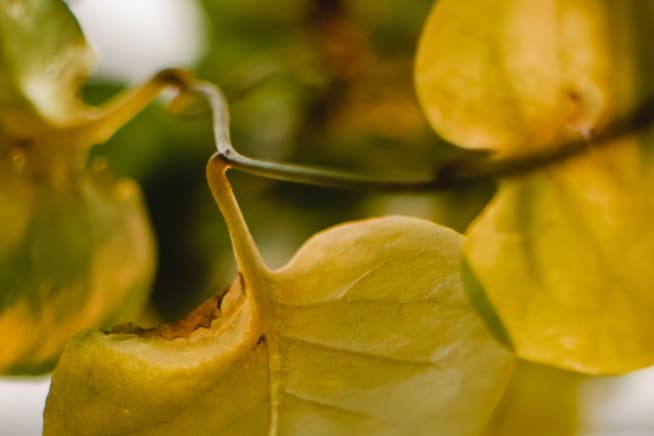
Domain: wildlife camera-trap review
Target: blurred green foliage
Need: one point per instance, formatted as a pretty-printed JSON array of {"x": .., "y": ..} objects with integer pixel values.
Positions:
[{"x": 321, "y": 82}]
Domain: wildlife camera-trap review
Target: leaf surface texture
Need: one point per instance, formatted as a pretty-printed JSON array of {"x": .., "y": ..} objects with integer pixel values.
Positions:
[{"x": 365, "y": 331}]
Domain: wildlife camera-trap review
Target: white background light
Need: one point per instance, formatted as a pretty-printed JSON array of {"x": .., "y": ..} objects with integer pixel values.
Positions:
[{"x": 135, "y": 39}]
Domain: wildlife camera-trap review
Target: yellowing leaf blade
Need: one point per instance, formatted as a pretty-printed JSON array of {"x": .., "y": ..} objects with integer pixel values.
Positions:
[
  {"x": 82, "y": 257},
  {"x": 346, "y": 339},
  {"x": 566, "y": 263}
]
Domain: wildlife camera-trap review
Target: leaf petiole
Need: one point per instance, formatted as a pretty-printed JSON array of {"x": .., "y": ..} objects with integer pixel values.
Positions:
[
  {"x": 452, "y": 176},
  {"x": 102, "y": 123}
]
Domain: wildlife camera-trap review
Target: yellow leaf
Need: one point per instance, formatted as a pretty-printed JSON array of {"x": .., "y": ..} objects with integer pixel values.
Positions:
[
  {"x": 539, "y": 401},
  {"x": 365, "y": 331},
  {"x": 564, "y": 258},
  {"x": 516, "y": 75},
  {"x": 562, "y": 253}
]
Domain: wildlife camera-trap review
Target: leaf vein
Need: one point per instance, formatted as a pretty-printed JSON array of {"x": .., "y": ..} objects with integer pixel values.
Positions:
[
  {"x": 326, "y": 405},
  {"x": 462, "y": 305},
  {"x": 365, "y": 354}
]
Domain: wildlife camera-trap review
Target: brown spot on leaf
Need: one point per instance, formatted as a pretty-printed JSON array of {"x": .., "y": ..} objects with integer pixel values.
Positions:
[{"x": 201, "y": 317}]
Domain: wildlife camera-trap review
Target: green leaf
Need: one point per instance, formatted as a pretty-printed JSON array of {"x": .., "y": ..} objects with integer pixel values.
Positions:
[
  {"x": 563, "y": 252},
  {"x": 43, "y": 59},
  {"x": 365, "y": 331},
  {"x": 76, "y": 253}
]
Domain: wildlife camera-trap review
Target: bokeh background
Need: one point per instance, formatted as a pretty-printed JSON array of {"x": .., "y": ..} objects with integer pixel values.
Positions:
[
  {"x": 324, "y": 82},
  {"x": 320, "y": 82}
]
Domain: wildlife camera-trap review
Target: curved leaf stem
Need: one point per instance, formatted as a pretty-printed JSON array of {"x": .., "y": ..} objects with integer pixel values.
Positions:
[
  {"x": 114, "y": 114},
  {"x": 250, "y": 262},
  {"x": 124, "y": 107},
  {"x": 456, "y": 175}
]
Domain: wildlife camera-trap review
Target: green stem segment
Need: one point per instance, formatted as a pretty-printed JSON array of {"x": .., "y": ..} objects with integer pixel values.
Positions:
[
  {"x": 289, "y": 172},
  {"x": 458, "y": 175}
]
